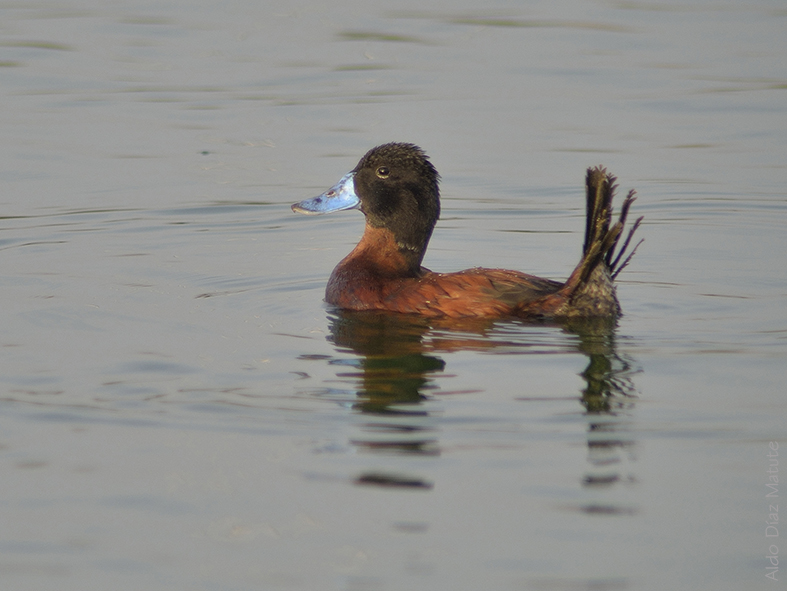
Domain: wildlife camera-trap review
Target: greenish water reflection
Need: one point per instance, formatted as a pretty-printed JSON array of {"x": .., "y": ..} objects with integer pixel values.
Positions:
[{"x": 397, "y": 365}]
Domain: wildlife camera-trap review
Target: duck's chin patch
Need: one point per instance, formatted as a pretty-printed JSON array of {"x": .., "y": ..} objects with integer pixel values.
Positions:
[{"x": 339, "y": 197}]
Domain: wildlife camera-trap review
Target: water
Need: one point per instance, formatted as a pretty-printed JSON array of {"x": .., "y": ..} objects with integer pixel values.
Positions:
[{"x": 180, "y": 410}]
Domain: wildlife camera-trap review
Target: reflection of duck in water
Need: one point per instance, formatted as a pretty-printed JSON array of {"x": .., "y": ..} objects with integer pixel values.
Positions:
[
  {"x": 398, "y": 356},
  {"x": 394, "y": 362},
  {"x": 397, "y": 364},
  {"x": 396, "y": 188}
]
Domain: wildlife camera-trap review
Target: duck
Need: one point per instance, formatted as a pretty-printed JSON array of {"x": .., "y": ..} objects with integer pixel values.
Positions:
[{"x": 396, "y": 187}]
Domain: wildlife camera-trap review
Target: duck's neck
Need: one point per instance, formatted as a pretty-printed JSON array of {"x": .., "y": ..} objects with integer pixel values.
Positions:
[{"x": 382, "y": 253}]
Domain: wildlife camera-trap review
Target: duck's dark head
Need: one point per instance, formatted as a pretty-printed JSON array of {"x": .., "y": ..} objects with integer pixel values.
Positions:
[{"x": 396, "y": 188}]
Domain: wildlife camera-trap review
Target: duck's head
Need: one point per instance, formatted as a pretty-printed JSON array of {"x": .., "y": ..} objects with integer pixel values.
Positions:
[{"x": 396, "y": 188}]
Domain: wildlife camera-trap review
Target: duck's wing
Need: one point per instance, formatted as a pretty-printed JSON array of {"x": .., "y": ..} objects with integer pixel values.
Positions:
[{"x": 474, "y": 292}]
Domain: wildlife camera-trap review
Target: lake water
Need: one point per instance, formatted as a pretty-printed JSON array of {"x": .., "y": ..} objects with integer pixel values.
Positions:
[{"x": 180, "y": 410}]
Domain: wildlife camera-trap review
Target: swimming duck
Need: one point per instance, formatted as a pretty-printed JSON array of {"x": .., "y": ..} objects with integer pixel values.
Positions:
[{"x": 397, "y": 188}]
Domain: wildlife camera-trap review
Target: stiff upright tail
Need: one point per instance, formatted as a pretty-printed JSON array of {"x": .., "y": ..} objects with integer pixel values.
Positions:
[
  {"x": 601, "y": 240},
  {"x": 589, "y": 290}
]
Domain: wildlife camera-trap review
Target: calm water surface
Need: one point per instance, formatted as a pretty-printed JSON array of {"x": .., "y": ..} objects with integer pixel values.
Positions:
[{"x": 180, "y": 410}]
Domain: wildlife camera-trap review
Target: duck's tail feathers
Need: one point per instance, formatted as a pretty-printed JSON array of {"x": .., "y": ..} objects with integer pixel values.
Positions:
[
  {"x": 601, "y": 240},
  {"x": 586, "y": 283}
]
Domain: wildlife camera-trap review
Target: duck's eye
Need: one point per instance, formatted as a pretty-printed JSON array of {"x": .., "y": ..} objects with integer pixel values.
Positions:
[{"x": 383, "y": 172}]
